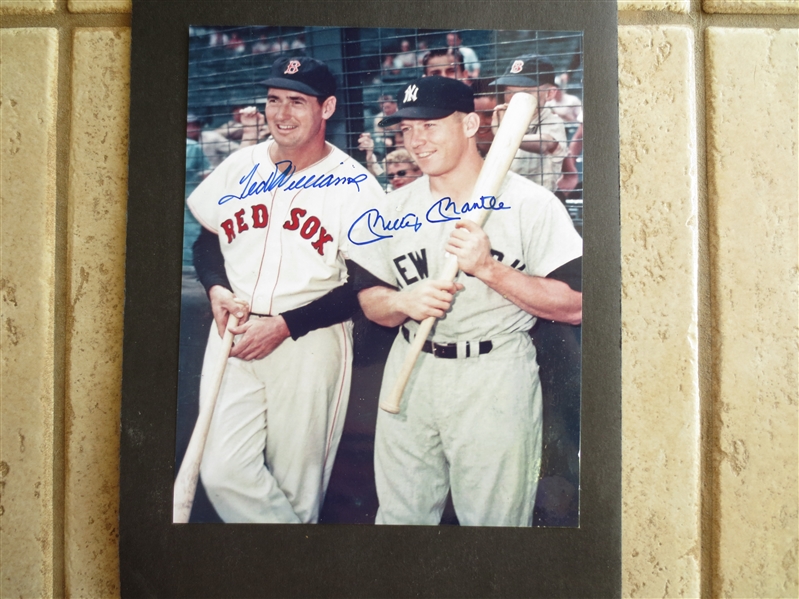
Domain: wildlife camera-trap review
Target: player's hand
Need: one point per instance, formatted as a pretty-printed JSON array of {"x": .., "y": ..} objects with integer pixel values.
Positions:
[
  {"x": 253, "y": 123},
  {"x": 366, "y": 143},
  {"x": 224, "y": 303},
  {"x": 496, "y": 116},
  {"x": 472, "y": 247},
  {"x": 259, "y": 337},
  {"x": 427, "y": 298}
]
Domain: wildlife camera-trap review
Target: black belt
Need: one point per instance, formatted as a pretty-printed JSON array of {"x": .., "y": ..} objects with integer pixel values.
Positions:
[{"x": 450, "y": 350}]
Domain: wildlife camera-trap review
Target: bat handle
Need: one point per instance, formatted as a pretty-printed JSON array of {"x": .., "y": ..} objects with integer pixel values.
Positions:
[
  {"x": 189, "y": 473},
  {"x": 392, "y": 403}
]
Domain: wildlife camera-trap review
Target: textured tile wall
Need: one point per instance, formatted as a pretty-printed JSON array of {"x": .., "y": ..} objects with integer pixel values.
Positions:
[
  {"x": 752, "y": 173},
  {"x": 660, "y": 432},
  {"x": 27, "y": 292},
  {"x": 709, "y": 470},
  {"x": 96, "y": 245}
]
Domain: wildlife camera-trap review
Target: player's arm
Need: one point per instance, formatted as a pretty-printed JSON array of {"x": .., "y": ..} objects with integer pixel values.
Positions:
[
  {"x": 537, "y": 143},
  {"x": 390, "y": 307},
  {"x": 544, "y": 297},
  {"x": 260, "y": 337}
]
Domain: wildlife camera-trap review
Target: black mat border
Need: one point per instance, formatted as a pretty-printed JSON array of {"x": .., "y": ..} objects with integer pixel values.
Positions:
[{"x": 159, "y": 559}]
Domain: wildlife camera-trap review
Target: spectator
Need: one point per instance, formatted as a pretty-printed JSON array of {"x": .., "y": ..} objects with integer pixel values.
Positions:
[
  {"x": 261, "y": 46},
  {"x": 298, "y": 44},
  {"x": 485, "y": 100},
  {"x": 569, "y": 180},
  {"x": 543, "y": 148},
  {"x": 279, "y": 46},
  {"x": 197, "y": 169},
  {"x": 421, "y": 50},
  {"x": 566, "y": 106},
  {"x": 388, "y": 106},
  {"x": 401, "y": 168},
  {"x": 445, "y": 62},
  {"x": 235, "y": 44},
  {"x": 470, "y": 60},
  {"x": 367, "y": 145},
  {"x": 406, "y": 59}
]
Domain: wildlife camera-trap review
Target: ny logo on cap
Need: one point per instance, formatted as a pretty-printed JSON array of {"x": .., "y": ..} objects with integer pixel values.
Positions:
[
  {"x": 517, "y": 66},
  {"x": 293, "y": 67},
  {"x": 410, "y": 94}
]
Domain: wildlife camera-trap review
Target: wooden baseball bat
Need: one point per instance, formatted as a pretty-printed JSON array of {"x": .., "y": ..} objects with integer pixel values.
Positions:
[
  {"x": 517, "y": 119},
  {"x": 189, "y": 473}
]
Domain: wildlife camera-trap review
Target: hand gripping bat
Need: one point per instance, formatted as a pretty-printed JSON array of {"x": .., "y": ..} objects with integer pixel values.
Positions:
[
  {"x": 189, "y": 473},
  {"x": 507, "y": 140}
]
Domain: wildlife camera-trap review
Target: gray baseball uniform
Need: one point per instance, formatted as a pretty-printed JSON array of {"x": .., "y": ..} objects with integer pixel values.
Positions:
[{"x": 471, "y": 423}]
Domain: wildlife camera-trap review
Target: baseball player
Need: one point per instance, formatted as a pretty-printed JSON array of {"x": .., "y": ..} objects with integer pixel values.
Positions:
[
  {"x": 470, "y": 417},
  {"x": 543, "y": 149},
  {"x": 272, "y": 252}
]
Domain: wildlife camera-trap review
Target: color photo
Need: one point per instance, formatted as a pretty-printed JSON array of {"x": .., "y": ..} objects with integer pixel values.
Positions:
[{"x": 492, "y": 439}]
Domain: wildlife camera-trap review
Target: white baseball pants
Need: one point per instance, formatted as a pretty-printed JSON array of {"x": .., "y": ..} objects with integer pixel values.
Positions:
[
  {"x": 472, "y": 425},
  {"x": 276, "y": 428}
]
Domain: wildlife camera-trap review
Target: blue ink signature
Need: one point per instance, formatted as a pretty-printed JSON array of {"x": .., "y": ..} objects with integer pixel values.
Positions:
[
  {"x": 283, "y": 179},
  {"x": 445, "y": 209},
  {"x": 376, "y": 225}
]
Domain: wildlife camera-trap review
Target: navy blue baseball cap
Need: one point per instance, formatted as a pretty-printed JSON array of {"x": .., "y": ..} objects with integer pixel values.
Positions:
[
  {"x": 302, "y": 74},
  {"x": 431, "y": 98},
  {"x": 529, "y": 70}
]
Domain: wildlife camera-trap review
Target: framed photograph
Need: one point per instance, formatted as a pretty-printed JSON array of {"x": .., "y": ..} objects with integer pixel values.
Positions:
[{"x": 261, "y": 469}]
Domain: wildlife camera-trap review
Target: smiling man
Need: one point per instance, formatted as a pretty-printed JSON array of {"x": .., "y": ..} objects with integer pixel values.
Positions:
[
  {"x": 470, "y": 417},
  {"x": 272, "y": 252}
]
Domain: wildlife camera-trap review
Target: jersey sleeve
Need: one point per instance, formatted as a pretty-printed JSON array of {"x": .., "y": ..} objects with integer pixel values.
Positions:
[
  {"x": 551, "y": 241},
  {"x": 361, "y": 245},
  {"x": 204, "y": 201}
]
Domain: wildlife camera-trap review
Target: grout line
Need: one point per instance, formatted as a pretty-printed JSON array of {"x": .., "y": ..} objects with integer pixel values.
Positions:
[
  {"x": 66, "y": 20},
  {"x": 62, "y": 290},
  {"x": 707, "y": 564},
  {"x": 699, "y": 19}
]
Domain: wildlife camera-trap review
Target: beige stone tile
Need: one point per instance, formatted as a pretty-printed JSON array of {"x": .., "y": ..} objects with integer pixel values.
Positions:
[
  {"x": 679, "y": 6},
  {"x": 99, "y": 6},
  {"x": 660, "y": 397},
  {"x": 97, "y": 205},
  {"x": 762, "y": 7},
  {"x": 19, "y": 7},
  {"x": 753, "y": 190},
  {"x": 28, "y": 89}
]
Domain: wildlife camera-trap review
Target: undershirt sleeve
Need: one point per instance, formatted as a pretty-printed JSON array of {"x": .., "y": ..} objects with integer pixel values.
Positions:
[
  {"x": 570, "y": 273},
  {"x": 209, "y": 262},
  {"x": 336, "y": 306}
]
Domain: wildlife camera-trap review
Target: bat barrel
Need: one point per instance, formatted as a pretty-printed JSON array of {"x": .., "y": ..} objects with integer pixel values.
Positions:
[{"x": 189, "y": 473}]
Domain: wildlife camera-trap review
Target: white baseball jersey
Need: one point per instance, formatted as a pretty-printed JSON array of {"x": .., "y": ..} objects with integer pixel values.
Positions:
[
  {"x": 471, "y": 425},
  {"x": 544, "y": 169},
  {"x": 531, "y": 232},
  {"x": 283, "y": 234},
  {"x": 279, "y": 419}
]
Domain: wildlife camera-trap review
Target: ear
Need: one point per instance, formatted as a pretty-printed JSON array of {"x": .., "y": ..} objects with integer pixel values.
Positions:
[
  {"x": 471, "y": 123},
  {"x": 328, "y": 107}
]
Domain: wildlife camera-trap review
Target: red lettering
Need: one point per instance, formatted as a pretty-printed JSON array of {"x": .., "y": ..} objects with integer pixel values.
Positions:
[
  {"x": 227, "y": 226},
  {"x": 259, "y": 216},
  {"x": 323, "y": 239},
  {"x": 240, "y": 220},
  {"x": 310, "y": 227},
  {"x": 294, "y": 223}
]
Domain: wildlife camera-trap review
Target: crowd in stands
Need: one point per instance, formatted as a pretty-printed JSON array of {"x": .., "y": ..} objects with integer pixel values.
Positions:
[{"x": 550, "y": 153}]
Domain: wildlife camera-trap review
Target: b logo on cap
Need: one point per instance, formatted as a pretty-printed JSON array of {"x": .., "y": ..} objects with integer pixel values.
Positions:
[
  {"x": 410, "y": 94},
  {"x": 293, "y": 67},
  {"x": 517, "y": 66}
]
